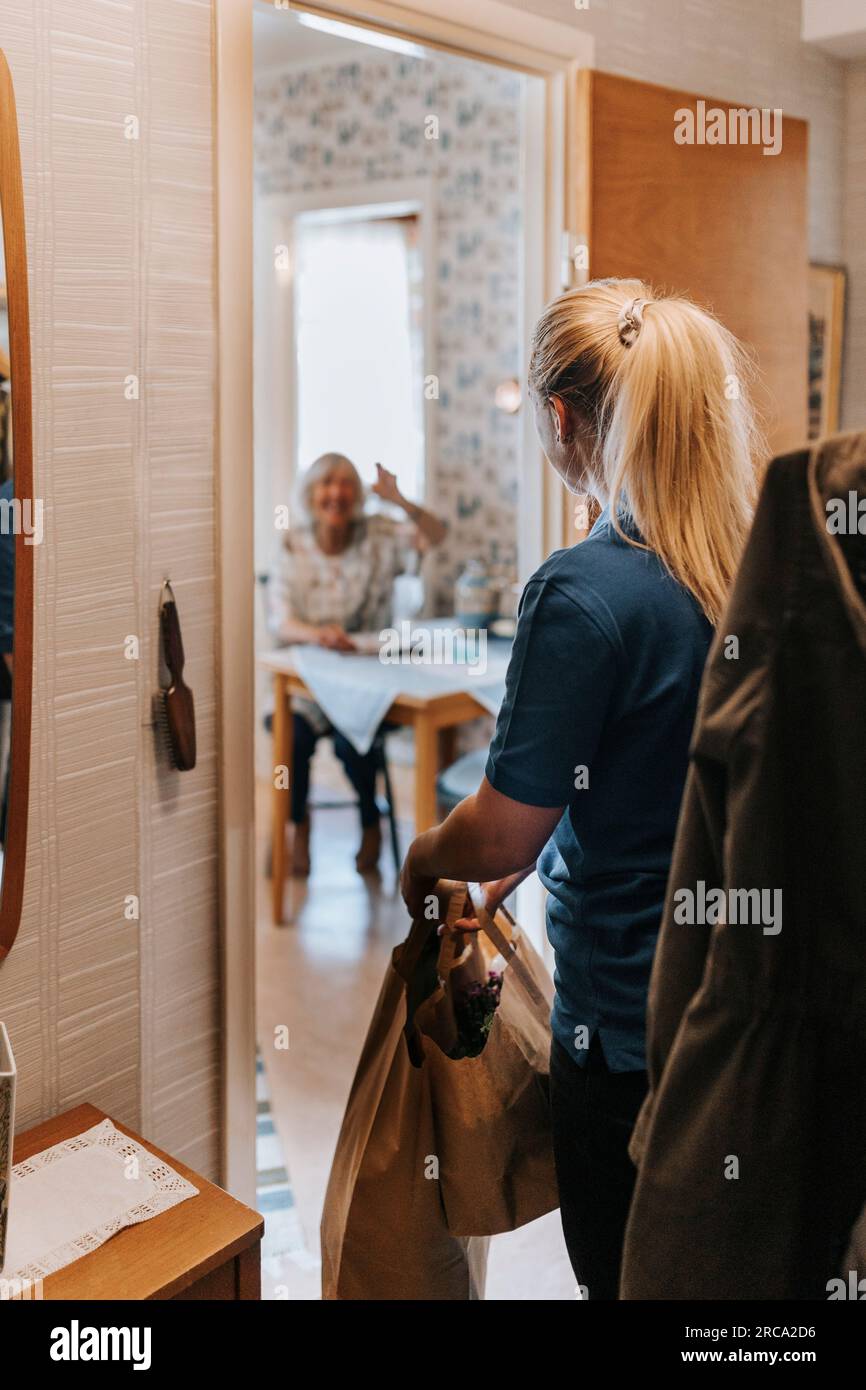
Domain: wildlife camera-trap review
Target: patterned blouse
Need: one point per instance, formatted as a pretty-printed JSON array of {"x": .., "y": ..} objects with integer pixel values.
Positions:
[{"x": 353, "y": 589}]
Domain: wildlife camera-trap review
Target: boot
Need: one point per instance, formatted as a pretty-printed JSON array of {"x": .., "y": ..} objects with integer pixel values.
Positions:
[
  {"x": 367, "y": 857},
  {"x": 301, "y": 848}
]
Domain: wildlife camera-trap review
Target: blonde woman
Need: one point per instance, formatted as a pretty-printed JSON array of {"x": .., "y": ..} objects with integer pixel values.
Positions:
[
  {"x": 335, "y": 577},
  {"x": 641, "y": 402}
]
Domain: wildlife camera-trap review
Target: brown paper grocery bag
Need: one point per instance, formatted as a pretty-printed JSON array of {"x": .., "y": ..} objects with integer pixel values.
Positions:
[{"x": 435, "y": 1155}]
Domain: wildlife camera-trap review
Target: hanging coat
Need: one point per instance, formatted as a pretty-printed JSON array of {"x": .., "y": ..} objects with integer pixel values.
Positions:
[{"x": 751, "y": 1145}]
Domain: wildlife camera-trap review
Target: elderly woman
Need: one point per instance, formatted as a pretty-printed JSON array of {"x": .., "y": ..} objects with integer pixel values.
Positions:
[{"x": 335, "y": 577}]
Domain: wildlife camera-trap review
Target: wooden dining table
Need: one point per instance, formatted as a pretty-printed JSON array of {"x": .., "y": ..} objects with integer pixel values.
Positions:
[{"x": 434, "y": 717}]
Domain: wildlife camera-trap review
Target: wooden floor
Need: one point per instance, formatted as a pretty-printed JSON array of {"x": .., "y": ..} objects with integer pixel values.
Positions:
[{"x": 319, "y": 976}]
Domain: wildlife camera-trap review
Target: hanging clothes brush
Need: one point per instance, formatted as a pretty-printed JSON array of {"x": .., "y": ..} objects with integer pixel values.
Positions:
[{"x": 177, "y": 709}]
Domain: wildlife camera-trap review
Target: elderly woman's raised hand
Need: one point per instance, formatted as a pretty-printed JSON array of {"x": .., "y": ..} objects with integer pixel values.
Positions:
[
  {"x": 332, "y": 636},
  {"x": 385, "y": 486},
  {"x": 429, "y": 530}
]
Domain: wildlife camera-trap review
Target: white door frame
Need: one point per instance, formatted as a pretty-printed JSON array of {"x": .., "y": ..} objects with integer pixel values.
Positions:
[{"x": 497, "y": 33}]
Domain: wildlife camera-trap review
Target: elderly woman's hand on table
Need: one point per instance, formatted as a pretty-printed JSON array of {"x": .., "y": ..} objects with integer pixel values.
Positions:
[{"x": 332, "y": 636}]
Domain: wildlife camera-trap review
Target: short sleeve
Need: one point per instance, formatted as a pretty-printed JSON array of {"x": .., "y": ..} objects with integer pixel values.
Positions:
[{"x": 558, "y": 692}]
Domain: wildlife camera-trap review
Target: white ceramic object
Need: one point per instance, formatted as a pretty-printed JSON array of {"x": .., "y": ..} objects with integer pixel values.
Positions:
[
  {"x": 7, "y": 1132},
  {"x": 476, "y": 596}
]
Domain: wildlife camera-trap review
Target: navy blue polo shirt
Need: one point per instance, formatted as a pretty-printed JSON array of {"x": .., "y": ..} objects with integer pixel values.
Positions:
[{"x": 600, "y": 701}]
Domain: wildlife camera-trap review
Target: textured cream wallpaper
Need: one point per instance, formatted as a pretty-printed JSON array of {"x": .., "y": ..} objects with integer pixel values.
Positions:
[{"x": 120, "y": 235}]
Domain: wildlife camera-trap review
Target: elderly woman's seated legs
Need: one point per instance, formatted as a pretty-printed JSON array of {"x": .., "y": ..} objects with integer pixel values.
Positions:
[
  {"x": 305, "y": 740},
  {"x": 361, "y": 770}
]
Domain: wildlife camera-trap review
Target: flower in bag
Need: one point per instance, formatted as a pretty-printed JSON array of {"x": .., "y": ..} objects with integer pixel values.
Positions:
[{"x": 474, "y": 1010}]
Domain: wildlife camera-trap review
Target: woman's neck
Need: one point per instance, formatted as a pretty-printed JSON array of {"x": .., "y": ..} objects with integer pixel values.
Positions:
[{"x": 333, "y": 540}]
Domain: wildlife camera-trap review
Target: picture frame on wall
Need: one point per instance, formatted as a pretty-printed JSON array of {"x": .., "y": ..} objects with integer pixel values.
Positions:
[{"x": 826, "y": 334}]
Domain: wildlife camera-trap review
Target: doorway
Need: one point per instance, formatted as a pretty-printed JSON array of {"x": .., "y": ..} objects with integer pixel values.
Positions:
[
  {"x": 518, "y": 43},
  {"x": 612, "y": 125},
  {"x": 400, "y": 237}
]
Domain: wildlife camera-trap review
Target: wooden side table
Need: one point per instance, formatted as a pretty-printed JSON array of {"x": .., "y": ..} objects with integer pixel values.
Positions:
[{"x": 205, "y": 1248}]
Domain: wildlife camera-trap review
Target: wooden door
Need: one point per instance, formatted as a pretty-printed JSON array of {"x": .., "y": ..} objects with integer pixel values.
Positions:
[{"x": 724, "y": 224}]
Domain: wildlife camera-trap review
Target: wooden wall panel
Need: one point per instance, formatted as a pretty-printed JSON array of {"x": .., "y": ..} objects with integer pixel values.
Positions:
[
  {"x": 745, "y": 50},
  {"x": 723, "y": 224}
]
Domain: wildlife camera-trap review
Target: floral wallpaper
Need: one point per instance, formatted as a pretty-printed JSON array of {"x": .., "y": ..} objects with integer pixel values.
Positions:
[{"x": 324, "y": 126}]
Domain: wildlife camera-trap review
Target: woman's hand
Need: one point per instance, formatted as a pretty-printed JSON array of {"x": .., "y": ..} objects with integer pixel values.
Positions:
[
  {"x": 495, "y": 894},
  {"x": 482, "y": 840},
  {"x": 386, "y": 487},
  {"x": 416, "y": 888},
  {"x": 332, "y": 636}
]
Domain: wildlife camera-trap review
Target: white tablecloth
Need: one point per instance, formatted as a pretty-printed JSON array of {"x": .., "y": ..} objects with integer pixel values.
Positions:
[
  {"x": 68, "y": 1199},
  {"x": 355, "y": 692}
]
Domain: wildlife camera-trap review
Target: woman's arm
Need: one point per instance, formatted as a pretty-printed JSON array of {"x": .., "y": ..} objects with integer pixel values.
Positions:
[
  {"x": 561, "y": 677},
  {"x": 291, "y": 630},
  {"x": 385, "y": 486},
  {"x": 487, "y": 837}
]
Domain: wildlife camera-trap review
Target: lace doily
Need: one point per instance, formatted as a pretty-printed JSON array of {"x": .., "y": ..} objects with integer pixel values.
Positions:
[{"x": 100, "y": 1173}]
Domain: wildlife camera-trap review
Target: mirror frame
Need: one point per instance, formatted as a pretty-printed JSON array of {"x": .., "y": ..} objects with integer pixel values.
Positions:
[{"x": 17, "y": 298}]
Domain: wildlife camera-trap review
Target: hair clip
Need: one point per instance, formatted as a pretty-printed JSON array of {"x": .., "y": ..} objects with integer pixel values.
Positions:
[{"x": 631, "y": 321}]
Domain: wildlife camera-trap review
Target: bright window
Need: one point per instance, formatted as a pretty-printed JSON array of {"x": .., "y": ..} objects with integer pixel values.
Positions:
[{"x": 359, "y": 345}]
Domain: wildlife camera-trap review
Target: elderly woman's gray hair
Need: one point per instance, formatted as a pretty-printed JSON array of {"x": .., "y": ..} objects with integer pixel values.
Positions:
[{"x": 318, "y": 471}]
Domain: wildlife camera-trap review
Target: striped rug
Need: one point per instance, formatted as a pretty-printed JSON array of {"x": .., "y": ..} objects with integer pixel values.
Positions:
[{"x": 283, "y": 1238}]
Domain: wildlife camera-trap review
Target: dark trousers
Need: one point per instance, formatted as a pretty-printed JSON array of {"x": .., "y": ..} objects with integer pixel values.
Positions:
[
  {"x": 593, "y": 1113},
  {"x": 360, "y": 768}
]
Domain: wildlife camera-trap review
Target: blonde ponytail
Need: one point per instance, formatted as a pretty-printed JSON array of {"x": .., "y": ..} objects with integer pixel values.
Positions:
[{"x": 664, "y": 388}]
